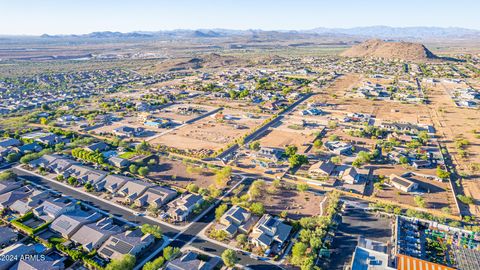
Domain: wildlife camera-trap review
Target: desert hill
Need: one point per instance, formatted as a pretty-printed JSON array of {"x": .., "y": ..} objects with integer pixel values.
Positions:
[{"x": 376, "y": 48}]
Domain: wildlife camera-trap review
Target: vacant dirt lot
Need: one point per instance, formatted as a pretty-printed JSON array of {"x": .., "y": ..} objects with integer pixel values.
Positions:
[
  {"x": 176, "y": 173},
  {"x": 210, "y": 133},
  {"x": 297, "y": 204},
  {"x": 453, "y": 123},
  {"x": 436, "y": 194}
]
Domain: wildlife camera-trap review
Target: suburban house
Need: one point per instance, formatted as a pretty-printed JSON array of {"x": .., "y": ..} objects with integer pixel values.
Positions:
[
  {"x": 132, "y": 189},
  {"x": 27, "y": 204},
  {"x": 98, "y": 146},
  {"x": 10, "y": 142},
  {"x": 14, "y": 252},
  {"x": 339, "y": 148},
  {"x": 30, "y": 148},
  {"x": 7, "y": 186},
  {"x": 402, "y": 183},
  {"x": 272, "y": 153},
  {"x": 92, "y": 236},
  {"x": 51, "y": 209},
  {"x": 156, "y": 197},
  {"x": 190, "y": 261},
  {"x": 321, "y": 168},
  {"x": 128, "y": 132},
  {"x": 128, "y": 242},
  {"x": 180, "y": 208},
  {"x": 112, "y": 183},
  {"x": 53, "y": 163},
  {"x": 351, "y": 176},
  {"x": 49, "y": 264},
  {"x": 84, "y": 174},
  {"x": 69, "y": 223},
  {"x": 270, "y": 232},
  {"x": 7, "y": 199},
  {"x": 236, "y": 219},
  {"x": 7, "y": 236},
  {"x": 118, "y": 162}
]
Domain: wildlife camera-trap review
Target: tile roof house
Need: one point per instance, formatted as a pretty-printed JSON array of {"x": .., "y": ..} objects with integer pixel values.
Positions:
[
  {"x": 27, "y": 204},
  {"x": 98, "y": 146},
  {"x": 7, "y": 186},
  {"x": 69, "y": 223},
  {"x": 10, "y": 142},
  {"x": 51, "y": 209},
  {"x": 156, "y": 197},
  {"x": 118, "y": 162},
  {"x": 7, "y": 199},
  {"x": 133, "y": 189},
  {"x": 7, "y": 236},
  {"x": 236, "y": 219},
  {"x": 351, "y": 176},
  {"x": 84, "y": 174},
  {"x": 402, "y": 183},
  {"x": 52, "y": 163},
  {"x": 190, "y": 261},
  {"x": 321, "y": 168},
  {"x": 43, "y": 161},
  {"x": 39, "y": 265},
  {"x": 268, "y": 230},
  {"x": 128, "y": 242},
  {"x": 271, "y": 153},
  {"x": 14, "y": 252},
  {"x": 92, "y": 236},
  {"x": 112, "y": 182},
  {"x": 180, "y": 208}
]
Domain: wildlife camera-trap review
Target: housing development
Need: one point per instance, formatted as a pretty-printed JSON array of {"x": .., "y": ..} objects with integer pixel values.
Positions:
[{"x": 222, "y": 149}]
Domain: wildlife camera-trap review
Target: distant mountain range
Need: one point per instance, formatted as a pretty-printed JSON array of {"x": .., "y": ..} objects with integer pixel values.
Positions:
[{"x": 384, "y": 32}]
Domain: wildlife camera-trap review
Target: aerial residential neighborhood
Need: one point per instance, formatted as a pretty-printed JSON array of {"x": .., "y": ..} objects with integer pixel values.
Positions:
[{"x": 292, "y": 135}]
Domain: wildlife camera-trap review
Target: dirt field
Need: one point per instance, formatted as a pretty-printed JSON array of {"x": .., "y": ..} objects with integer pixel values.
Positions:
[
  {"x": 286, "y": 133},
  {"x": 297, "y": 204},
  {"x": 175, "y": 172},
  {"x": 453, "y": 123},
  {"x": 436, "y": 194},
  {"x": 210, "y": 133}
]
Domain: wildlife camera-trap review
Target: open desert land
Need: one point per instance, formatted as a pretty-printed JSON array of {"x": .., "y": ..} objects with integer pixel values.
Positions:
[
  {"x": 455, "y": 123},
  {"x": 210, "y": 133},
  {"x": 287, "y": 198},
  {"x": 246, "y": 106},
  {"x": 289, "y": 131},
  {"x": 179, "y": 174},
  {"x": 184, "y": 112},
  {"x": 437, "y": 194}
]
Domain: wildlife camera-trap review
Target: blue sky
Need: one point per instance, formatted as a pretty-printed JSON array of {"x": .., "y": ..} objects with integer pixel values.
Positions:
[{"x": 35, "y": 17}]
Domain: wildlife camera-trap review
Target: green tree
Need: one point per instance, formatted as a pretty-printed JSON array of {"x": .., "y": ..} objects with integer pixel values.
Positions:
[
  {"x": 443, "y": 174},
  {"x": 465, "y": 199},
  {"x": 154, "y": 230},
  {"x": 155, "y": 264},
  {"x": 257, "y": 208},
  {"x": 291, "y": 150},
  {"x": 127, "y": 262},
  {"x": 220, "y": 211},
  {"x": 133, "y": 168},
  {"x": 229, "y": 257},
  {"x": 298, "y": 253},
  {"x": 317, "y": 144},
  {"x": 297, "y": 160},
  {"x": 222, "y": 176},
  {"x": 143, "y": 171},
  {"x": 170, "y": 252},
  {"x": 7, "y": 175},
  {"x": 420, "y": 201},
  {"x": 255, "y": 145},
  {"x": 302, "y": 187}
]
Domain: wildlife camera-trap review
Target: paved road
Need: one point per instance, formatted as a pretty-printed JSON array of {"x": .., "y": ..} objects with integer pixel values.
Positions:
[{"x": 182, "y": 239}]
